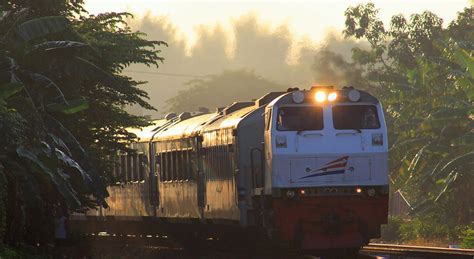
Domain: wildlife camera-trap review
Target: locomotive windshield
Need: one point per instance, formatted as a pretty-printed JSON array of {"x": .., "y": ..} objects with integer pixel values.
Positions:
[
  {"x": 355, "y": 117},
  {"x": 300, "y": 118}
]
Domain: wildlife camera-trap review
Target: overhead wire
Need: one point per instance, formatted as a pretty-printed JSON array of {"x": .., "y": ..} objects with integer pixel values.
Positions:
[{"x": 165, "y": 74}]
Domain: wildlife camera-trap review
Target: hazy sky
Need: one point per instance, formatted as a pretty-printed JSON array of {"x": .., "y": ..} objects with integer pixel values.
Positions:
[
  {"x": 278, "y": 40},
  {"x": 304, "y": 18}
]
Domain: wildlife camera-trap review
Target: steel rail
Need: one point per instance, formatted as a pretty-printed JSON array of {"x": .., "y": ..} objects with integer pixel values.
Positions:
[
  {"x": 417, "y": 250},
  {"x": 372, "y": 249}
]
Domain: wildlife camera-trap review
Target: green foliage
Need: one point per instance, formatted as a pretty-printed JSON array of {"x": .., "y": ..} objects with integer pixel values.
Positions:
[
  {"x": 42, "y": 27},
  {"x": 227, "y": 85},
  {"x": 426, "y": 227},
  {"x": 3, "y": 201},
  {"x": 62, "y": 102},
  {"x": 6, "y": 252},
  {"x": 391, "y": 231},
  {"x": 422, "y": 73},
  {"x": 22, "y": 251},
  {"x": 9, "y": 89},
  {"x": 468, "y": 238},
  {"x": 69, "y": 107}
]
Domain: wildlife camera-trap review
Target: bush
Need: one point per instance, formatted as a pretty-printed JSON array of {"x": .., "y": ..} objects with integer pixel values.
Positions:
[
  {"x": 26, "y": 251},
  {"x": 425, "y": 228},
  {"x": 468, "y": 238},
  {"x": 9, "y": 253},
  {"x": 3, "y": 201},
  {"x": 391, "y": 231},
  {"x": 408, "y": 230}
]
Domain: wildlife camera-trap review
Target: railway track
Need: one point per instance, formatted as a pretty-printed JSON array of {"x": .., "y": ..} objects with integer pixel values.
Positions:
[
  {"x": 163, "y": 246},
  {"x": 416, "y": 251}
]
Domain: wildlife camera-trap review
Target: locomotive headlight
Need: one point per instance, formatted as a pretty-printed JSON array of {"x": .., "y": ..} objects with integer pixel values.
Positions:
[
  {"x": 297, "y": 96},
  {"x": 332, "y": 96},
  {"x": 353, "y": 95},
  {"x": 320, "y": 96},
  {"x": 371, "y": 192},
  {"x": 290, "y": 194}
]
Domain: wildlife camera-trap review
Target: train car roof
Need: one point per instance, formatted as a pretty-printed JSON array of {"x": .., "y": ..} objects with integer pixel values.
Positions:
[
  {"x": 184, "y": 128},
  {"x": 144, "y": 134},
  {"x": 228, "y": 117},
  {"x": 230, "y": 120}
]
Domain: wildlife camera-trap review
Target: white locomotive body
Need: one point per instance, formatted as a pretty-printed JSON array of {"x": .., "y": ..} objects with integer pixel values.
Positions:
[{"x": 346, "y": 146}]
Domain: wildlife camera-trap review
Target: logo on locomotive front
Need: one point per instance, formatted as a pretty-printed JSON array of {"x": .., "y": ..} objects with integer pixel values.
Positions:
[{"x": 337, "y": 166}]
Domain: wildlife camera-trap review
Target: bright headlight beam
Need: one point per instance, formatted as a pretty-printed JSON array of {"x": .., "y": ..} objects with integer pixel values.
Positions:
[
  {"x": 332, "y": 97},
  {"x": 320, "y": 96}
]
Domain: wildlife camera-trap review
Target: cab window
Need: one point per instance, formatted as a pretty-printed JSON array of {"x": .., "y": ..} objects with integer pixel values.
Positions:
[
  {"x": 355, "y": 117},
  {"x": 298, "y": 118}
]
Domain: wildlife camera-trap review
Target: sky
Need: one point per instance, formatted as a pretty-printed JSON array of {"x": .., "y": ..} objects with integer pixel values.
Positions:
[
  {"x": 304, "y": 18},
  {"x": 279, "y": 40}
]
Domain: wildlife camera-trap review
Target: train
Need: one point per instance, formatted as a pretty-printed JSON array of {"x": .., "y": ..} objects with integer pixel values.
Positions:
[{"x": 304, "y": 168}]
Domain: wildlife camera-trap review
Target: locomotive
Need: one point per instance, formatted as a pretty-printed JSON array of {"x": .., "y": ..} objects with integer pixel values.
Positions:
[{"x": 307, "y": 168}]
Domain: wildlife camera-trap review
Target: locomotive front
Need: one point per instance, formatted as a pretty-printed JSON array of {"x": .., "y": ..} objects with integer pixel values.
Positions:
[{"x": 326, "y": 167}]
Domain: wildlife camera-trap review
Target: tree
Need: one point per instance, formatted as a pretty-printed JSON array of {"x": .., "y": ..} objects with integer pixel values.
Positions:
[
  {"x": 425, "y": 78},
  {"x": 62, "y": 101},
  {"x": 332, "y": 68},
  {"x": 229, "y": 86}
]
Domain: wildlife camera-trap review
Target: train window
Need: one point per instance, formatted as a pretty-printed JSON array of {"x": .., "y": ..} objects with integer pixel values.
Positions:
[
  {"x": 141, "y": 167},
  {"x": 184, "y": 173},
  {"x": 135, "y": 168},
  {"x": 297, "y": 118},
  {"x": 123, "y": 168},
  {"x": 179, "y": 169},
  {"x": 216, "y": 161},
  {"x": 158, "y": 170},
  {"x": 178, "y": 165},
  {"x": 220, "y": 161},
  {"x": 190, "y": 165},
  {"x": 166, "y": 166},
  {"x": 185, "y": 165},
  {"x": 174, "y": 165},
  {"x": 116, "y": 170},
  {"x": 355, "y": 117},
  {"x": 129, "y": 168},
  {"x": 162, "y": 168}
]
